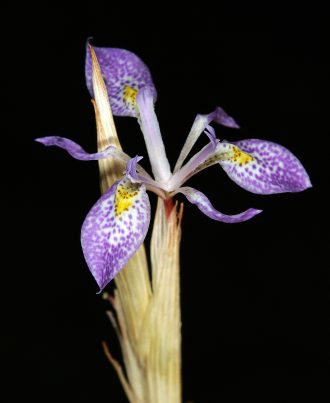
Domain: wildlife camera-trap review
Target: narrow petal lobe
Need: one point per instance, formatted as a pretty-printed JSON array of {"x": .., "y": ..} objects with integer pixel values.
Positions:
[
  {"x": 200, "y": 124},
  {"x": 114, "y": 229},
  {"x": 77, "y": 152},
  {"x": 205, "y": 206},
  {"x": 152, "y": 136},
  {"x": 124, "y": 74}
]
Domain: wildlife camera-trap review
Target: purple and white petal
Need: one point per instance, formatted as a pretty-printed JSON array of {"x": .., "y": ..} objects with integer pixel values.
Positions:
[
  {"x": 220, "y": 116},
  {"x": 77, "y": 152},
  {"x": 124, "y": 74},
  {"x": 114, "y": 229},
  {"x": 203, "y": 203},
  {"x": 263, "y": 167},
  {"x": 200, "y": 124}
]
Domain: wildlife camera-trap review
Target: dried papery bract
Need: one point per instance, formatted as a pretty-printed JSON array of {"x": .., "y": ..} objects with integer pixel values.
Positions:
[
  {"x": 147, "y": 318},
  {"x": 164, "y": 354},
  {"x": 153, "y": 359}
]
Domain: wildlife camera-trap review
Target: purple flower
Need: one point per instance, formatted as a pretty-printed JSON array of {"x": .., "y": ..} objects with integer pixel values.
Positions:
[{"x": 117, "y": 224}]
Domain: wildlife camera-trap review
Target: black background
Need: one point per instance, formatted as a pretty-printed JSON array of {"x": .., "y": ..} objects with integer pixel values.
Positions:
[{"x": 255, "y": 296}]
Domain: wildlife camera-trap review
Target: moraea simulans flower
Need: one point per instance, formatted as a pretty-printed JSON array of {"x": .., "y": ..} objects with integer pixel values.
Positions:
[{"x": 117, "y": 224}]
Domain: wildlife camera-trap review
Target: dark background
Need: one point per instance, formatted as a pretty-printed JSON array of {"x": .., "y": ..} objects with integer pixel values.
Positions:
[{"x": 255, "y": 296}]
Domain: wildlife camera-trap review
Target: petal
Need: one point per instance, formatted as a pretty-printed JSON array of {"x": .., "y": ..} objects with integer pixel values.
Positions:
[
  {"x": 124, "y": 74},
  {"x": 263, "y": 167},
  {"x": 222, "y": 117},
  {"x": 205, "y": 206},
  {"x": 152, "y": 136},
  {"x": 189, "y": 169},
  {"x": 131, "y": 168},
  {"x": 78, "y": 152},
  {"x": 210, "y": 132},
  {"x": 201, "y": 122},
  {"x": 114, "y": 229}
]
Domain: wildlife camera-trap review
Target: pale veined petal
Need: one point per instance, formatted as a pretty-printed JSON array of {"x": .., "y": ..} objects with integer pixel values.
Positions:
[
  {"x": 152, "y": 136},
  {"x": 190, "y": 168},
  {"x": 200, "y": 124}
]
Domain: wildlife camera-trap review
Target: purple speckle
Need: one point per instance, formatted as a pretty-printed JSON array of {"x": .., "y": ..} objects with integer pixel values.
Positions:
[{"x": 279, "y": 170}]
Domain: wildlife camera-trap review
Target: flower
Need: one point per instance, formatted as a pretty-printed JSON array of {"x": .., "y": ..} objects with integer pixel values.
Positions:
[{"x": 117, "y": 224}]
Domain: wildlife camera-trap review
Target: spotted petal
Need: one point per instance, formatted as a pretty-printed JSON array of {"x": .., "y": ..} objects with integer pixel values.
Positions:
[
  {"x": 263, "y": 167},
  {"x": 114, "y": 229},
  {"x": 204, "y": 204},
  {"x": 124, "y": 74}
]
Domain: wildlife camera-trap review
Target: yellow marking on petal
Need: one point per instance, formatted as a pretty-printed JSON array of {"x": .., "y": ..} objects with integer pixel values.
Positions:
[
  {"x": 229, "y": 153},
  {"x": 129, "y": 95},
  {"x": 240, "y": 157},
  {"x": 124, "y": 198}
]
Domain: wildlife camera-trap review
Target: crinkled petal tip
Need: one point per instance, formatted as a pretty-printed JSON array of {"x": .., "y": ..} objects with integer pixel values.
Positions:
[{"x": 221, "y": 116}]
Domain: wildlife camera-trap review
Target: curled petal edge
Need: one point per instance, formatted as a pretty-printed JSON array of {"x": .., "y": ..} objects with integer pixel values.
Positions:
[{"x": 205, "y": 206}]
